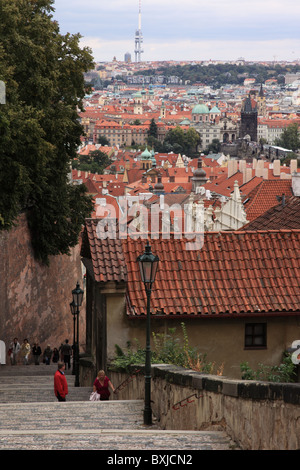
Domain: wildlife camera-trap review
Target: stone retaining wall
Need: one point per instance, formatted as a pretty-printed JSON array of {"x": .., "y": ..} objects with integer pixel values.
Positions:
[
  {"x": 256, "y": 415},
  {"x": 34, "y": 298}
]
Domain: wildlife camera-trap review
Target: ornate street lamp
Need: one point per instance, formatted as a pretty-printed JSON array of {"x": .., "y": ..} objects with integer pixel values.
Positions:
[
  {"x": 77, "y": 294},
  {"x": 73, "y": 311},
  {"x": 148, "y": 264}
]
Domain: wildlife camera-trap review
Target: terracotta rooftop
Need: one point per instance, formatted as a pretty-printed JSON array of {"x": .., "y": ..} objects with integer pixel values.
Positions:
[
  {"x": 106, "y": 256},
  {"x": 223, "y": 185},
  {"x": 285, "y": 215},
  {"x": 264, "y": 196},
  {"x": 234, "y": 273}
]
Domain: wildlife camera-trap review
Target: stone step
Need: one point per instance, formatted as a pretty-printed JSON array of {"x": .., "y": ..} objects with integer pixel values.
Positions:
[
  {"x": 113, "y": 425},
  {"x": 72, "y": 415},
  {"x": 180, "y": 444},
  {"x": 6, "y": 370},
  {"x": 38, "y": 389},
  {"x": 31, "y": 418},
  {"x": 42, "y": 394}
]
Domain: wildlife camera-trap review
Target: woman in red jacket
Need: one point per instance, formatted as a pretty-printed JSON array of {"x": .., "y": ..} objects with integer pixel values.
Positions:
[
  {"x": 101, "y": 385},
  {"x": 60, "y": 383}
]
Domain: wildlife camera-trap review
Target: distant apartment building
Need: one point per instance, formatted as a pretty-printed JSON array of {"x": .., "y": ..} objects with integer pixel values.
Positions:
[
  {"x": 127, "y": 57},
  {"x": 291, "y": 77},
  {"x": 152, "y": 79},
  {"x": 121, "y": 134},
  {"x": 271, "y": 129}
]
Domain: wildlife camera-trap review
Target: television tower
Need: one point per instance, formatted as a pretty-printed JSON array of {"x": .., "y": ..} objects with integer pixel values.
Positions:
[{"x": 139, "y": 37}]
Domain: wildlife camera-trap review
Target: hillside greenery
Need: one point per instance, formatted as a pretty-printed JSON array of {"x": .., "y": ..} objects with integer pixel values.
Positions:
[{"x": 217, "y": 75}]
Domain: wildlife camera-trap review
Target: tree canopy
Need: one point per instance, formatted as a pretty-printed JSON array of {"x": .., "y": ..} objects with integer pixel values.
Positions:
[
  {"x": 217, "y": 75},
  {"x": 39, "y": 128},
  {"x": 153, "y": 129},
  {"x": 95, "y": 162},
  {"x": 290, "y": 138},
  {"x": 179, "y": 141}
]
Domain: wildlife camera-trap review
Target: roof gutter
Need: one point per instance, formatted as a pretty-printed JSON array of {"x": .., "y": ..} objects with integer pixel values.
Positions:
[{"x": 215, "y": 315}]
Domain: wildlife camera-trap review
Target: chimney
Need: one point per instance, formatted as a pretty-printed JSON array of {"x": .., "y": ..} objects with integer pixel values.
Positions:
[
  {"x": 242, "y": 165},
  {"x": 296, "y": 184},
  {"x": 265, "y": 174},
  {"x": 259, "y": 168},
  {"x": 247, "y": 175},
  {"x": 232, "y": 167},
  {"x": 276, "y": 167},
  {"x": 293, "y": 166}
]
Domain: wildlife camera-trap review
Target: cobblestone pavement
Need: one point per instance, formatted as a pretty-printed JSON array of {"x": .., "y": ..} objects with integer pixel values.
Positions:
[
  {"x": 114, "y": 440},
  {"x": 30, "y": 421}
]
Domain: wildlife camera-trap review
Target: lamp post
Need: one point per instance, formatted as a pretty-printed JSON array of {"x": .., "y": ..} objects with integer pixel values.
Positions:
[
  {"x": 73, "y": 311},
  {"x": 148, "y": 264},
  {"x": 77, "y": 294}
]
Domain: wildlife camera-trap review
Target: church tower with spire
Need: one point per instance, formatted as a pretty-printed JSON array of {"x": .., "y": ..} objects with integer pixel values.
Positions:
[
  {"x": 261, "y": 103},
  {"x": 248, "y": 127}
]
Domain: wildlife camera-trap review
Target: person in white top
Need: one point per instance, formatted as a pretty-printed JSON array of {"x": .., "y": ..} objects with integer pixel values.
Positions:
[
  {"x": 14, "y": 350},
  {"x": 2, "y": 353}
]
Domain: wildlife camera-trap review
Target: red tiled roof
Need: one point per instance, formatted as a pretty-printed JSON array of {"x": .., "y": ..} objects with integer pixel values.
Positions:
[
  {"x": 233, "y": 273},
  {"x": 134, "y": 174},
  {"x": 264, "y": 196},
  {"x": 246, "y": 188},
  {"x": 90, "y": 185},
  {"x": 224, "y": 185},
  {"x": 106, "y": 254},
  {"x": 283, "y": 216}
]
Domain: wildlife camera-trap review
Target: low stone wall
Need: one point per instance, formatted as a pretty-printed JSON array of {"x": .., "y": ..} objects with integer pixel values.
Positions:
[{"x": 256, "y": 415}]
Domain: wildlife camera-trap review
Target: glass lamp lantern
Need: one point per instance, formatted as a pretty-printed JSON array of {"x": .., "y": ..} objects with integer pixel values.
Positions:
[
  {"x": 148, "y": 264},
  {"x": 77, "y": 294}
]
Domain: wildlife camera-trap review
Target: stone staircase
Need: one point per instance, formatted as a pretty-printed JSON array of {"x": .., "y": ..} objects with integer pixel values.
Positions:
[
  {"x": 32, "y": 419},
  {"x": 22, "y": 389}
]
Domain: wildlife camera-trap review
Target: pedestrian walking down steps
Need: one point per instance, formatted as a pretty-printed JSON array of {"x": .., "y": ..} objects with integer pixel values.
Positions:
[
  {"x": 66, "y": 352},
  {"x": 25, "y": 351},
  {"x": 60, "y": 383},
  {"x": 13, "y": 351},
  {"x": 101, "y": 387},
  {"x": 36, "y": 352}
]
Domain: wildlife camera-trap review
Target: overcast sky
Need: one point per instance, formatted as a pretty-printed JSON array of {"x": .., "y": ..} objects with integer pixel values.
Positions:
[{"x": 186, "y": 29}]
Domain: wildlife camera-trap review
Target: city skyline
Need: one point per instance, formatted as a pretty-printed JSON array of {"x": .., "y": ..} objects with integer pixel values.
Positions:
[{"x": 190, "y": 30}]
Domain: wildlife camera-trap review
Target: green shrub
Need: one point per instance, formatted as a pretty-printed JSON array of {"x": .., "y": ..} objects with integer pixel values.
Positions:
[
  {"x": 123, "y": 360},
  {"x": 168, "y": 349},
  {"x": 285, "y": 372}
]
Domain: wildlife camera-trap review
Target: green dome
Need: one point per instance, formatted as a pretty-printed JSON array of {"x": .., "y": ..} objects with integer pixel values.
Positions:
[
  {"x": 200, "y": 108},
  {"x": 215, "y": 110},
  {"x": 185, "y": 122},
  {"x": 146, "y": 154}
]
